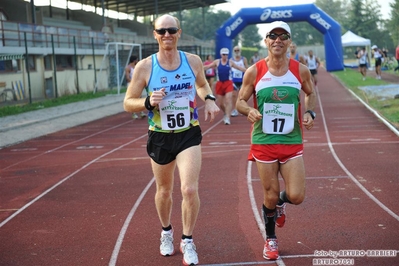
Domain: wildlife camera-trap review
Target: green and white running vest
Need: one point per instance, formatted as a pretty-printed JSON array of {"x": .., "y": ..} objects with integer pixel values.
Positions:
[{"x": 278, "y": 100}]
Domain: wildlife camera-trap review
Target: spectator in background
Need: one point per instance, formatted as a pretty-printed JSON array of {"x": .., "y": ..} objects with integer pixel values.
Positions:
[
  {"x": 385, "y": 52},
  {"x": 357, "y": 51},
  {"x": 210, "y": 73},
  {"x": 357, "y": 57},
  {"x": 129, "y": 69},
  {"x": 397, "y": 57},
  {"x": 255, "y": 58}
]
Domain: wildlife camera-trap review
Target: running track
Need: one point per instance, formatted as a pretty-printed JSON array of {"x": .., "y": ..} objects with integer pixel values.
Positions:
[{"x": 85, "y": 196}]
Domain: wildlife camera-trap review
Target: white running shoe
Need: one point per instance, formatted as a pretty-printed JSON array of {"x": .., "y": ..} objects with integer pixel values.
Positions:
[
  {"x": 234, "y": 113},
  {"x": 226, "y": 120},
  {"x": 166, "y": 248},
  {"x": 190, "y": 256}
]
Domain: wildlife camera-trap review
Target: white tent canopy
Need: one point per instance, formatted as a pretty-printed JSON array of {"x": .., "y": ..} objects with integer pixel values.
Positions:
[{"x": 351, "y": 39}]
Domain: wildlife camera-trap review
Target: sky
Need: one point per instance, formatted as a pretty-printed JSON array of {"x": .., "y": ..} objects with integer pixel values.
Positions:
[{"x": 235, "y": 5}]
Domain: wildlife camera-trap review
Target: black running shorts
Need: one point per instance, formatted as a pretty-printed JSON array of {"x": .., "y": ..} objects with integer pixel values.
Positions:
[{"x": 164, "y": 147}]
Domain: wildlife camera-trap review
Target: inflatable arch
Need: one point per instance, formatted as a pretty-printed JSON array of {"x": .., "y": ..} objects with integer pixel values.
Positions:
[{"x": 309, "y": 12}]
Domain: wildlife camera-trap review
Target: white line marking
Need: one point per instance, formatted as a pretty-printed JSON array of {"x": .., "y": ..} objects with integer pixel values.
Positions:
[
  {"x": 66, "y": 144},
  {"x": 265, "y": 262},
  {"x": 122, "y": 233},
  {"x": 258, "y": 218},
  {"x": 371, "y": 196},
  {"x": 391, "y": 127},
  {"x": 65, "y": 179}
]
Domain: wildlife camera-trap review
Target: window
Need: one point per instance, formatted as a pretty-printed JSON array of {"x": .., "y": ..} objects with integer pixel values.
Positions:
[
  {"x": 32, "y": 62},
  {"x": 65, "y": 61},
  {"x": 10, "y": 62},
  {"x": 9, "y": 65},
  {"x": 48, "y": 62}
]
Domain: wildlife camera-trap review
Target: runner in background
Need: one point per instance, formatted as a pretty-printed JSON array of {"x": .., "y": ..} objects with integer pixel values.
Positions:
[
  {"x": 379, "y": 59},
  {"x": 313, "y": 64},
  {"x": 255, "y": 58},
  {"x": 224, "y": 86},
  {"x": 363, "y": 61},
  {"x": 241, "y": 61},
  {"x": 210, "y": 73},
  {"x": 293, "y": 54}
]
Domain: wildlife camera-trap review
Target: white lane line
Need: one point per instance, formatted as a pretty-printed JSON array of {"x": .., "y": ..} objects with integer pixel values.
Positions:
[
  {"x": 391, "y": 127},
  {"x": 371, "y": 196},
  {"x": 66, "y": 144},
  {"x": 254, "y": 207},
  {"x": 258, "y": 218},
  {"x": 118, "y": 244},
  {"x": 122, "y": 233},
  {"x": 265, "y": 262},
  {"x": 65, "y": 179}
]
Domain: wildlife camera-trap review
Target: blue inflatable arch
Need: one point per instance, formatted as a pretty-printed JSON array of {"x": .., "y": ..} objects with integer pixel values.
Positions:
[{"x": 309, "y": 12}]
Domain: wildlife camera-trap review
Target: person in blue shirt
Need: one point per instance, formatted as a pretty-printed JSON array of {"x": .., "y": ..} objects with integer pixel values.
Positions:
[
  {"x": 224, "y": 86},
  {"x": 293, "y": 54}
]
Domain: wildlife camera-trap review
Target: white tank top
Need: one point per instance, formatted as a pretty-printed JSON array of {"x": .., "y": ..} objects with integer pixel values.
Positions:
[{"x": 312, "y": 64}]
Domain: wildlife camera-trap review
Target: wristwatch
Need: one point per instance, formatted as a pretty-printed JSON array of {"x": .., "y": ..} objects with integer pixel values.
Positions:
[
  {"x": 312, "y": 114},
  {"x": 211, "y": 97}
]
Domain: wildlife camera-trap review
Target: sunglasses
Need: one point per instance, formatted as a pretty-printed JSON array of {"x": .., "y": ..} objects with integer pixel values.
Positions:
[
  {"x": 274, "y": 36},
  {"x": 162, "y": 31},
  {"x": 236, "y": 50},
  {"x": 224, "y": 54}
]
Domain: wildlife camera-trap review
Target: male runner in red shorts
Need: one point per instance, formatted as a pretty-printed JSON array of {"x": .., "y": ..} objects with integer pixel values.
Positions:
[{"x": 276, "y": 138}]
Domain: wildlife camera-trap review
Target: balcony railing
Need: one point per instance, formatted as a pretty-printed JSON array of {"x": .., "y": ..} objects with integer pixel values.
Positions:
[{"x": 12, "y": 35}]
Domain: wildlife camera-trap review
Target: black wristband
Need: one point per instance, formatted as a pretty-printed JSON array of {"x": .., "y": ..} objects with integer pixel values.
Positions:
[
  {"x": 147, "y": 104},
  {"x": 312, "y": 114}
]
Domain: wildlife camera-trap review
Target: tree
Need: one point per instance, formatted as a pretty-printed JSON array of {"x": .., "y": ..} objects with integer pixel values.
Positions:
[
  {"x": 335, "y": 9},
  {"x": 306, "y": 34},
  {"x": 250, "y": 37},
  {"x": 202, "y": 23},
  {"x": 393, "y": 23}
]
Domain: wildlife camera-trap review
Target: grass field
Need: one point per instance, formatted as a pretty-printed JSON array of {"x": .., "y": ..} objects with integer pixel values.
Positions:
[
  {"x": 21, "y": 108},
  {"x": 388, "y": 108}
]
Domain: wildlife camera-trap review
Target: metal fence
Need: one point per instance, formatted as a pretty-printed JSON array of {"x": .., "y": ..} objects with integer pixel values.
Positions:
[{"x": 27, "y": 40}]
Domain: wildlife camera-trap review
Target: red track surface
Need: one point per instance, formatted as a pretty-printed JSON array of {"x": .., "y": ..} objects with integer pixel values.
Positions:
[{"x": 84, "y": 196}]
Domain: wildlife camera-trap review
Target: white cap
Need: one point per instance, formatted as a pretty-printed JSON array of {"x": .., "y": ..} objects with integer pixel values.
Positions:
[
  {"x": 279, "y": 24},
  {"x": 374, "y": 47},
  {"x": 224, "y": 51}
]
